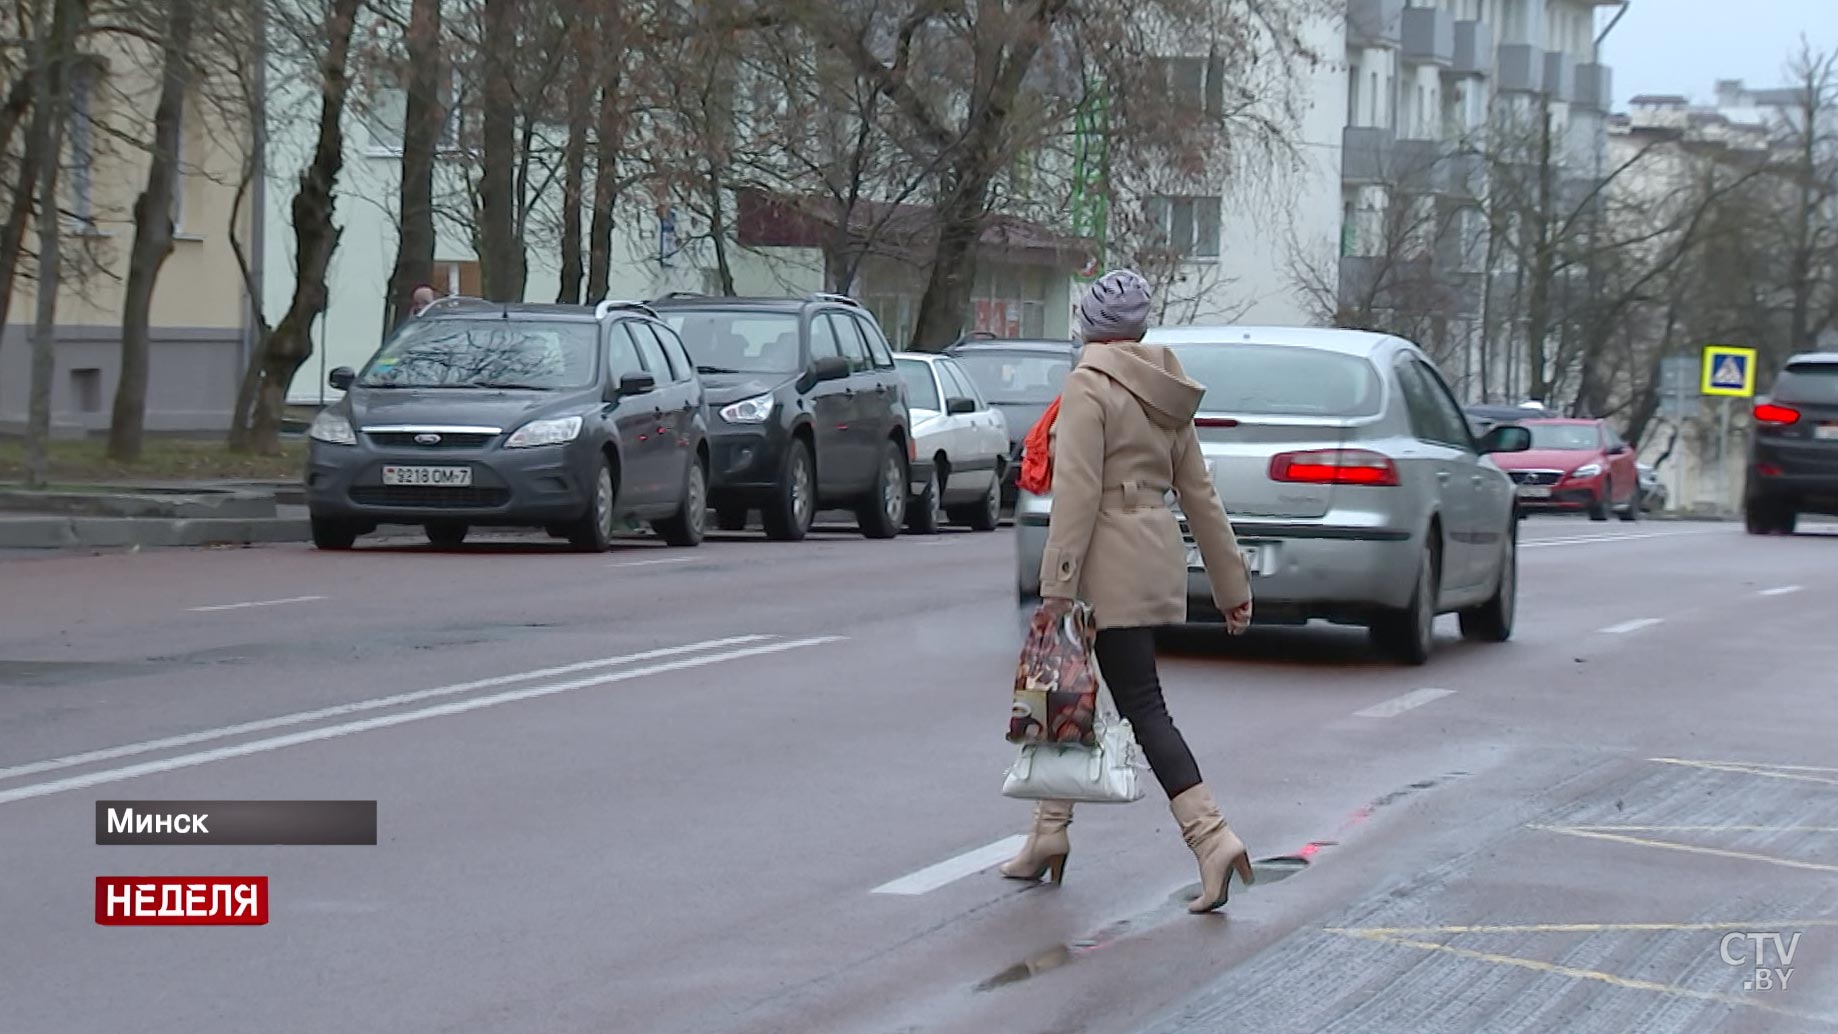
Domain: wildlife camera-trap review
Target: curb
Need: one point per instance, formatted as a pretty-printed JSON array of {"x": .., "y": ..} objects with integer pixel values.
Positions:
[{"x": 120, "y": 532}]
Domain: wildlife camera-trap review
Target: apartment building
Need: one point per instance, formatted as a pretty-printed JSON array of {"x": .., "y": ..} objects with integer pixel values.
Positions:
[
  {"x": 1450, "y": 105},
  {"x": 199, "y": 335}
]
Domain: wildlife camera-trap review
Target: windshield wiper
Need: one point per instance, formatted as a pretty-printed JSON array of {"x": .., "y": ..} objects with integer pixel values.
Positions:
[
  {"x": 508, "y": 386},
  {"x": 714, "y": 369}
]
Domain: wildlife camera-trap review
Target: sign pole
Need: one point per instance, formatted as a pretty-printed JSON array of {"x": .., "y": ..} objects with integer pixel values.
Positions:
[{"x": 1723, "y": 444}]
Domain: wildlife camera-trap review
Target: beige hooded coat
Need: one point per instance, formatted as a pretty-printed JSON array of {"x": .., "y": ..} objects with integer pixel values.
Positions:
[{"x": 1123, "y": 438}]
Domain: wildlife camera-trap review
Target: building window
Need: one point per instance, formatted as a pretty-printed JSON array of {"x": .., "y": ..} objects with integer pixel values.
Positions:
[
  {"x": 82, "y": 142},
  {"x": 1353, "y": 97},
  {"x": 86, "y": 388},
  {"x": 1187, "y": 226},
  {"x": 458, "y": 277},
  {"x": 1194, "y": 84}
]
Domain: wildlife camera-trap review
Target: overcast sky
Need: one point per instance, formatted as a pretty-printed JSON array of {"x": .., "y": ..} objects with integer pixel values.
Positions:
[{"x": 1685, "y": 46}]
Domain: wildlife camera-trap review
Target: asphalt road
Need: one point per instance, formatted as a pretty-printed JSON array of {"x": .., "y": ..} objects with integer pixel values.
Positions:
[{"x": 753, "y": 787}]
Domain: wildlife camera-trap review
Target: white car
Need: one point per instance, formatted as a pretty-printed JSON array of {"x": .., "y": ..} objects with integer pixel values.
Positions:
[{"x": 963, "y": 439}]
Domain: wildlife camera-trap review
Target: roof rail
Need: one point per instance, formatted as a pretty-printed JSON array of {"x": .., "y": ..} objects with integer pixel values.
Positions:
[
  {"x": 609, "y": 306},
  {"x": 840, "y": 299},
  {"x": 454, "y": 299}
]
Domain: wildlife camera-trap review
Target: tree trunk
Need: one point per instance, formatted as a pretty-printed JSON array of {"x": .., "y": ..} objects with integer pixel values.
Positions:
[
  {"x": 607, "y": 138},
  {"x": 25, "y": 188},
  {"x": 48, "y": 126},
  {"x": 315, "y": 238},
  {"x": 718, "y": 231},
  {"x": 574, "y": 175},
  {"x": 498, "y": 206},
  {"x": 423, "y": 119},
  {"x": 1538, "y": 314},
  {"x": 153, "y": 231},
  {"x": 946, "y": 301}
]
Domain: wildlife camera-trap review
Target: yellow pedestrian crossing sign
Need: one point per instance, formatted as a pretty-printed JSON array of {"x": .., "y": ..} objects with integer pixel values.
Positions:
[{"x": 1729, "y": 371}]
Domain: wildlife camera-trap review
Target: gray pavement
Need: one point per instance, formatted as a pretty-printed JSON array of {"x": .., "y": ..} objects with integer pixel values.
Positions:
[{"x": 665, "y": 790}]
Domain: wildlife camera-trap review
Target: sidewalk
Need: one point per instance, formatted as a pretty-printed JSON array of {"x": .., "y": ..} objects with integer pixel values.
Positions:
[{"x": 144, "y": 514}]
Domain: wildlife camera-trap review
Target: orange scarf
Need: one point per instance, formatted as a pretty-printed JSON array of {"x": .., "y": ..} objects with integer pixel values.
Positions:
[{"x": 1036, "y": 475}]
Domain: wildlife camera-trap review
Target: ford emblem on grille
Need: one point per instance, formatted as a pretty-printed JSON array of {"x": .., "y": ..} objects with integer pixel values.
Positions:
[{"x": 427, "y": 439}]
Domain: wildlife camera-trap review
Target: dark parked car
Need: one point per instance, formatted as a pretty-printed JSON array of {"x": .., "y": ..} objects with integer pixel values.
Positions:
[
  {"x": 1793, "y": 452},
  {"x": 806, "y": 411},
  {"x": 550, "y": 416},
  {"x": 1020, "y": 379}
]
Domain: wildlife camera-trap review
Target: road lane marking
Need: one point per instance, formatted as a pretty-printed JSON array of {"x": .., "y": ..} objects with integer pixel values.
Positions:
[
  {"x": 1667, "y": 845},
  {"x": 951, "y": 870},
  {"x": 1584, "y": 974},
  {"x": 1631, "y": 626},
  {"x": 1757, "y": 769},
  {"x": 1780, "y": 590},
  {"x": 654, "y": 563},
  {"x": 116, "y": 775},
  {"x": 1398, "y": 705},
  {"x": 1736, "y": 924},
  {"x": 254, "y": 603},
  {"x": 339, "y": 710},
  {"x": 1585, "y": 540},
  {"x": 1713, "y": 829}
]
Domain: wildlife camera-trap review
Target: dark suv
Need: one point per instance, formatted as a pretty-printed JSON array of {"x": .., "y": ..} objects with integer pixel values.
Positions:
[
  {"x": 806, "y": 411},
  {"x": 1793, "y": 454},
  {"x": 475, "y": 413},
  {"x": 1020, "y": 378}
]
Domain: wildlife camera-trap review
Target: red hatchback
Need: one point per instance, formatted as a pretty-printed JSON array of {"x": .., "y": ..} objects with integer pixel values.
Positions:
[{"x": 1575, "y": 465}]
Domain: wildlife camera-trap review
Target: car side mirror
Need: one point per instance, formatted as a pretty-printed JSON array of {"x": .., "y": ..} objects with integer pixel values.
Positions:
[
  {"x": 636, "y": 384},
  {"x": 830, "y": 368},
  {"x": 1506, "y": 438},
  {"x": 960, "y": 406},
  {"x": 342, "y": 377},
  {"x": 1619, "y": 450}
]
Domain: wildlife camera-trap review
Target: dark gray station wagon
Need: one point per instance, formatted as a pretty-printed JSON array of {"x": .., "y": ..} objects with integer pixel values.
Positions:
[{"x": 475, "y": 414}]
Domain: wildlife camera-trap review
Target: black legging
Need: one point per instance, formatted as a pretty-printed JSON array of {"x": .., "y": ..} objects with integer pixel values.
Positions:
[{"x": 1126, "y": 656}]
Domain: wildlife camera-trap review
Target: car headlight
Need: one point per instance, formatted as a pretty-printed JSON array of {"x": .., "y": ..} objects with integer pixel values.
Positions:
[
  {"x": 755, "y": 410},
  {"x": 332, "y": 428},
  {"x": 545, "y": 432},
  {"x": 1587, "y": 470}
]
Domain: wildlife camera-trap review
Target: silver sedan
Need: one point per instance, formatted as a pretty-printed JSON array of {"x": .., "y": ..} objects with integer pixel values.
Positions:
[{"x": 1358, "y": 491}]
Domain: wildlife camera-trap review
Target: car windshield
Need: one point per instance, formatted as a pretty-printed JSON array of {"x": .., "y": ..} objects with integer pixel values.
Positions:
[
  {"x": 739, "y": 342},
  {"x": 1016, "y": 377},
  {"x": 921, "y": 389},
  {"x": 478, "y": 353},
  {"x": 1280, "y": 380},
  {"x": 1813, "y": 383},
  {"x": 1567, "y": 437}
]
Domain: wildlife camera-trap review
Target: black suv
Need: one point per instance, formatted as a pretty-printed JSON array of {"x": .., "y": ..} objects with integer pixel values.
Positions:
[
  {"x": 1793, "y": 454},
  {"x": 477, "y": 413},
  {"x": 1020, "y": 378},
  {"x": 806, "y": 411}
]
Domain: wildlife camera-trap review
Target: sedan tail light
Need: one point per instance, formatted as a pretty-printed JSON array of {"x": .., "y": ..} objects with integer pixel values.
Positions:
[
  {"x": 1334, "y": 467},
  {"x": 1776, "y": 415}
]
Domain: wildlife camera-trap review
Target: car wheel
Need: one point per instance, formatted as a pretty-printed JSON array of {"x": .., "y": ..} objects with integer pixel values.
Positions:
[
  {"x": 926, "y": 515},
  {"x": 593, "y": 533},
  {"x": 1409, "y": 635},
  {"x": 788, "y": 514},
  {"x": 731, "y": 518},
  {"x": 687, "y": 525},
  {"x": 987, "y": 514},
  {"x": 1766, "y": 518},
  {"x": 1492, "y": 622},
  {"x": 1598, "y": 507},
  {"x": 329, "y": 533},
  {"x": 446, "y": 534},
  {"x": 1631, "y": 512},
  {"x": 882, "y": 513}
]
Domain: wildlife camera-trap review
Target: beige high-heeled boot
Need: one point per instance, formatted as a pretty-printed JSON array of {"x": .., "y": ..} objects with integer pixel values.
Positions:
[
  {"x": 1047, "y": 844},
  {"x": 1217, "y": 848}
]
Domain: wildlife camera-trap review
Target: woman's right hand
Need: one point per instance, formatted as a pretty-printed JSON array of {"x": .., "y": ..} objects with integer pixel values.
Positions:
[{"x": 1239, "y": 619}]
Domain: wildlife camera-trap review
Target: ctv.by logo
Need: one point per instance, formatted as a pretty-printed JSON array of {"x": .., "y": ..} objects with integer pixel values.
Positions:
[{"x": 1755, "y": 949}]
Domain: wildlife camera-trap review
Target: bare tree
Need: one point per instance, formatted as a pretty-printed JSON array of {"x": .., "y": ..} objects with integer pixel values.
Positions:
[
  {"x": 316, "y": 236},
  {"x": 423, "y": 123},
  {"x": 501, "y": 259},
  {"x": 153, "y": 231}
]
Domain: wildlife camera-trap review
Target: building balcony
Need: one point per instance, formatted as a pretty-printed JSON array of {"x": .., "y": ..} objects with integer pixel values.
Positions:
[
  {"x": 1521, "y": 69},
  {"x": 1375, "y": 23},
  {"x": 1365, "y": 154},
  {"x": 1595, "y": 88},
  {"x": 1420, "y": 166},
  {"x": 1473, "y": 49},
  {"x": 1467, "y": 176},
  {"x": 1429, "y": 36},
  {"x": 1559, "y": 75}
]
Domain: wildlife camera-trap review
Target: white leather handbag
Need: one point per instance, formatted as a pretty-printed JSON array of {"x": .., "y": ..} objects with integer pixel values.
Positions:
[{"x": 1109, "y": 773}]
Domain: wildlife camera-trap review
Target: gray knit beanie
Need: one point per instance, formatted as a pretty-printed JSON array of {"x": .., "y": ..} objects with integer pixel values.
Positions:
[{"x": 1115, "y": 307}]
